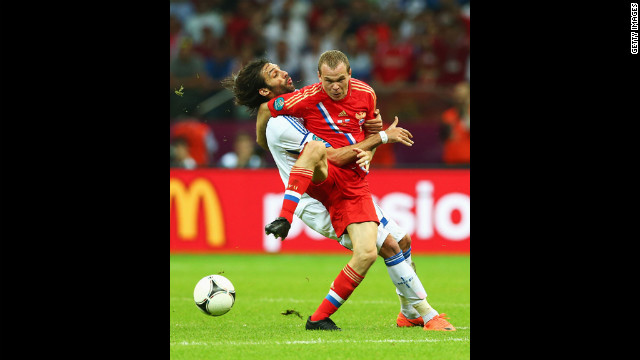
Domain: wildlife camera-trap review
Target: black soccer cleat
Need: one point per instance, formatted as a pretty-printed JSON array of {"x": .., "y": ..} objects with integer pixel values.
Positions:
[
  {"x": 324, "y": 324},
  {"x": 278, "y": 227}
]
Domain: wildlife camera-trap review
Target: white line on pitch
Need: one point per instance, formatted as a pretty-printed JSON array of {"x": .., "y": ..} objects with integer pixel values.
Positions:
[
  {"x": 295, "y": 301},
  {"x": 319, "y": 341}
]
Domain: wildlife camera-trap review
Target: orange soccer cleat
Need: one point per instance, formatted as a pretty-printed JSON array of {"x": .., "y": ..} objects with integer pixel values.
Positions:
[
  {"x": 438, "y": 322},
  {"x": 403, "y": 321}
]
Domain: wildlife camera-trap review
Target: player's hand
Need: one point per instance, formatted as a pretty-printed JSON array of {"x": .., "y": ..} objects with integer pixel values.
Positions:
[
  {"x": 398, "y": 134},
  {"x": 364, "y": 158},
  {"x": 373, "y": 126}
]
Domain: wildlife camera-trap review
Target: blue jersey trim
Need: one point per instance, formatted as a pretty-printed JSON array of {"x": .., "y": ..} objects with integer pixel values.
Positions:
[{"x": 296, "y": 124}]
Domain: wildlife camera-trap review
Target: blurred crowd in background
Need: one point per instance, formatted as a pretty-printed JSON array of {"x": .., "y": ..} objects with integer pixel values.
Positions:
[{"x": 414, "y": 53}]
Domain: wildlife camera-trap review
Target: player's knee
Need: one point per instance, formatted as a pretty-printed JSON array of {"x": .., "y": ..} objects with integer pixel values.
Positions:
[
  {"x": 405, "y": 242},
  {"x": 318, "y": 158},
  {"x": 366, "y": 257},
  {"x": 316, "y": 149},
  {"x": 315, "y": 153},
  {"x": 389, "y": 247}
]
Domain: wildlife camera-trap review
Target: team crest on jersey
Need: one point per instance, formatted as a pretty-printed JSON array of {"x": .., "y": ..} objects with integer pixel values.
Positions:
[
  {"x": 360, "y": 116},
  {"x": 279, "y": 104}
]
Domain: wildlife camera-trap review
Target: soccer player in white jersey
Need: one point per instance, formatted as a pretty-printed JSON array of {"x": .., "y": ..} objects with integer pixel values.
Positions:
[{"x": 286, "y": 137}]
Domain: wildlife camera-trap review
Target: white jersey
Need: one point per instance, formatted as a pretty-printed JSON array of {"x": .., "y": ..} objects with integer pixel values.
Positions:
[{"x": 286, "y": 137}]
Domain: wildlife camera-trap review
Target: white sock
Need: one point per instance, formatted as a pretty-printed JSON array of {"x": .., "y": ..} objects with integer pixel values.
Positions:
[
  {"x": 416, "y": 308},
  {"x": 407, "y": 255},
  {"x": 425, "y": 310},
  {"x": 408, "y": 286},
  {"x": 406, "y": 308}
]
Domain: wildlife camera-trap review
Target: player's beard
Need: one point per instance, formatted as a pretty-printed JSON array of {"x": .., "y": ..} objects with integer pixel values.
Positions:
[{"x": 283, "y": 89}]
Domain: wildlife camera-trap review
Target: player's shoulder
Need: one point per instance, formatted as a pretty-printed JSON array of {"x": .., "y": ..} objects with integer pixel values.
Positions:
[
  {"x": 312, "y": 87},
  {"x": 299, "y": 97},
  {"x": 303, "y": 92},
  {"x": 285, "y": 120},
  {"x": 359, "y": 86},
  {"x": 282, "y": 123},
  {"x": 307, "y": 91}
]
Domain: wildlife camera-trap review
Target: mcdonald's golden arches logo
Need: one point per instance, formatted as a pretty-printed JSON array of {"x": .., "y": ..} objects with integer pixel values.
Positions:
[{"x": 187, "y": 201}]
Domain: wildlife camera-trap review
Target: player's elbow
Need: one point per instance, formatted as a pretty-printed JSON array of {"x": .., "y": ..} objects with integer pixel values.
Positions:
[{"x": 263, "y": 144}]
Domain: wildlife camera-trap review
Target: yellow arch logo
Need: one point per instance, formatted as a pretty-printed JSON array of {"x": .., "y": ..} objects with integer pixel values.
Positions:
[{"x": 187, "y": 201}]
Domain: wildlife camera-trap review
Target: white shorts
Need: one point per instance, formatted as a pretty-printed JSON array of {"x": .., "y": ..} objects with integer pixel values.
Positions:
[{"x": 316, "y": 216}]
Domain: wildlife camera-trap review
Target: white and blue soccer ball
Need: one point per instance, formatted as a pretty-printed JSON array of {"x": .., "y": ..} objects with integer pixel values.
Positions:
[{"x": 214, "y": 295}]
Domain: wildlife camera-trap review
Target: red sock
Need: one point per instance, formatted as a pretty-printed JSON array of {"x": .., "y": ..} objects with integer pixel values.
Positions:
[
  {"x": 341, "y": 289},
  {"x": 299, "y": 180}
]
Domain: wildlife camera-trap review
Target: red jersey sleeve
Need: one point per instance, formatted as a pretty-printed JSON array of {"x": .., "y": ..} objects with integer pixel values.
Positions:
[
  {"x": 372, "y": 107},
  {"x": 294, "y": 103}
]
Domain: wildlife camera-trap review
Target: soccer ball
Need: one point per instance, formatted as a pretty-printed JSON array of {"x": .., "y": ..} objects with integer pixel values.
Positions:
[{"x": 214, "y": 295}]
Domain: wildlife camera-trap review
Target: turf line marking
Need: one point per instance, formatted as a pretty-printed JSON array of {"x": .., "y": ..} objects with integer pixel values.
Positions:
[
  {"x": 310, "y": 342},
  {"x": 297, "y": 301},
  {"x": 352, "y": 301}
]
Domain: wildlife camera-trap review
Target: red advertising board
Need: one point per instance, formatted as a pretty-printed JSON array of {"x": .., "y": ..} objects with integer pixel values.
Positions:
[{"x": 218, "y": 210}]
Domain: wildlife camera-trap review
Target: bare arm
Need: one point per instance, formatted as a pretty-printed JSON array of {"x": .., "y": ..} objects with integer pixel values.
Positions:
[
  {"x": 347, "y": 154},
  {"x": 261, "y": 126},
  {"x": 373, "y": 126}
]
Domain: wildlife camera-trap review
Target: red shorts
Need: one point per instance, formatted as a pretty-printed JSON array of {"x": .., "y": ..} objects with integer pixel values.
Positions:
[{"x": 347, "y": 197}]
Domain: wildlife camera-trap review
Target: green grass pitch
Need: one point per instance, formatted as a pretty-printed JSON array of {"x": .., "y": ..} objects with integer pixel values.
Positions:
[{"x": 269, "y": 285}]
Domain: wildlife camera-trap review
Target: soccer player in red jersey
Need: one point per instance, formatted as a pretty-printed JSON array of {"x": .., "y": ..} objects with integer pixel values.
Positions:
[
  {"x": 335, "y": 110},
  {"x": 276, "y": 82}
]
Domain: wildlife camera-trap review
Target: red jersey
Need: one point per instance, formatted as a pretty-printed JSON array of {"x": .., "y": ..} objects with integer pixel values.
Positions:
[
  {"x": 337, "y": 122},
  {"x": 345, "y": 193}
]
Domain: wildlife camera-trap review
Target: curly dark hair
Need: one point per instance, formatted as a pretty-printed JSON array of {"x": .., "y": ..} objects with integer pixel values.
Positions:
[{"x": 245, "y": 85}]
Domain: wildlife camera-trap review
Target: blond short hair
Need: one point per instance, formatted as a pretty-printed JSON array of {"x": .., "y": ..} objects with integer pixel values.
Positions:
[{"x": 333, "y": 58}]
